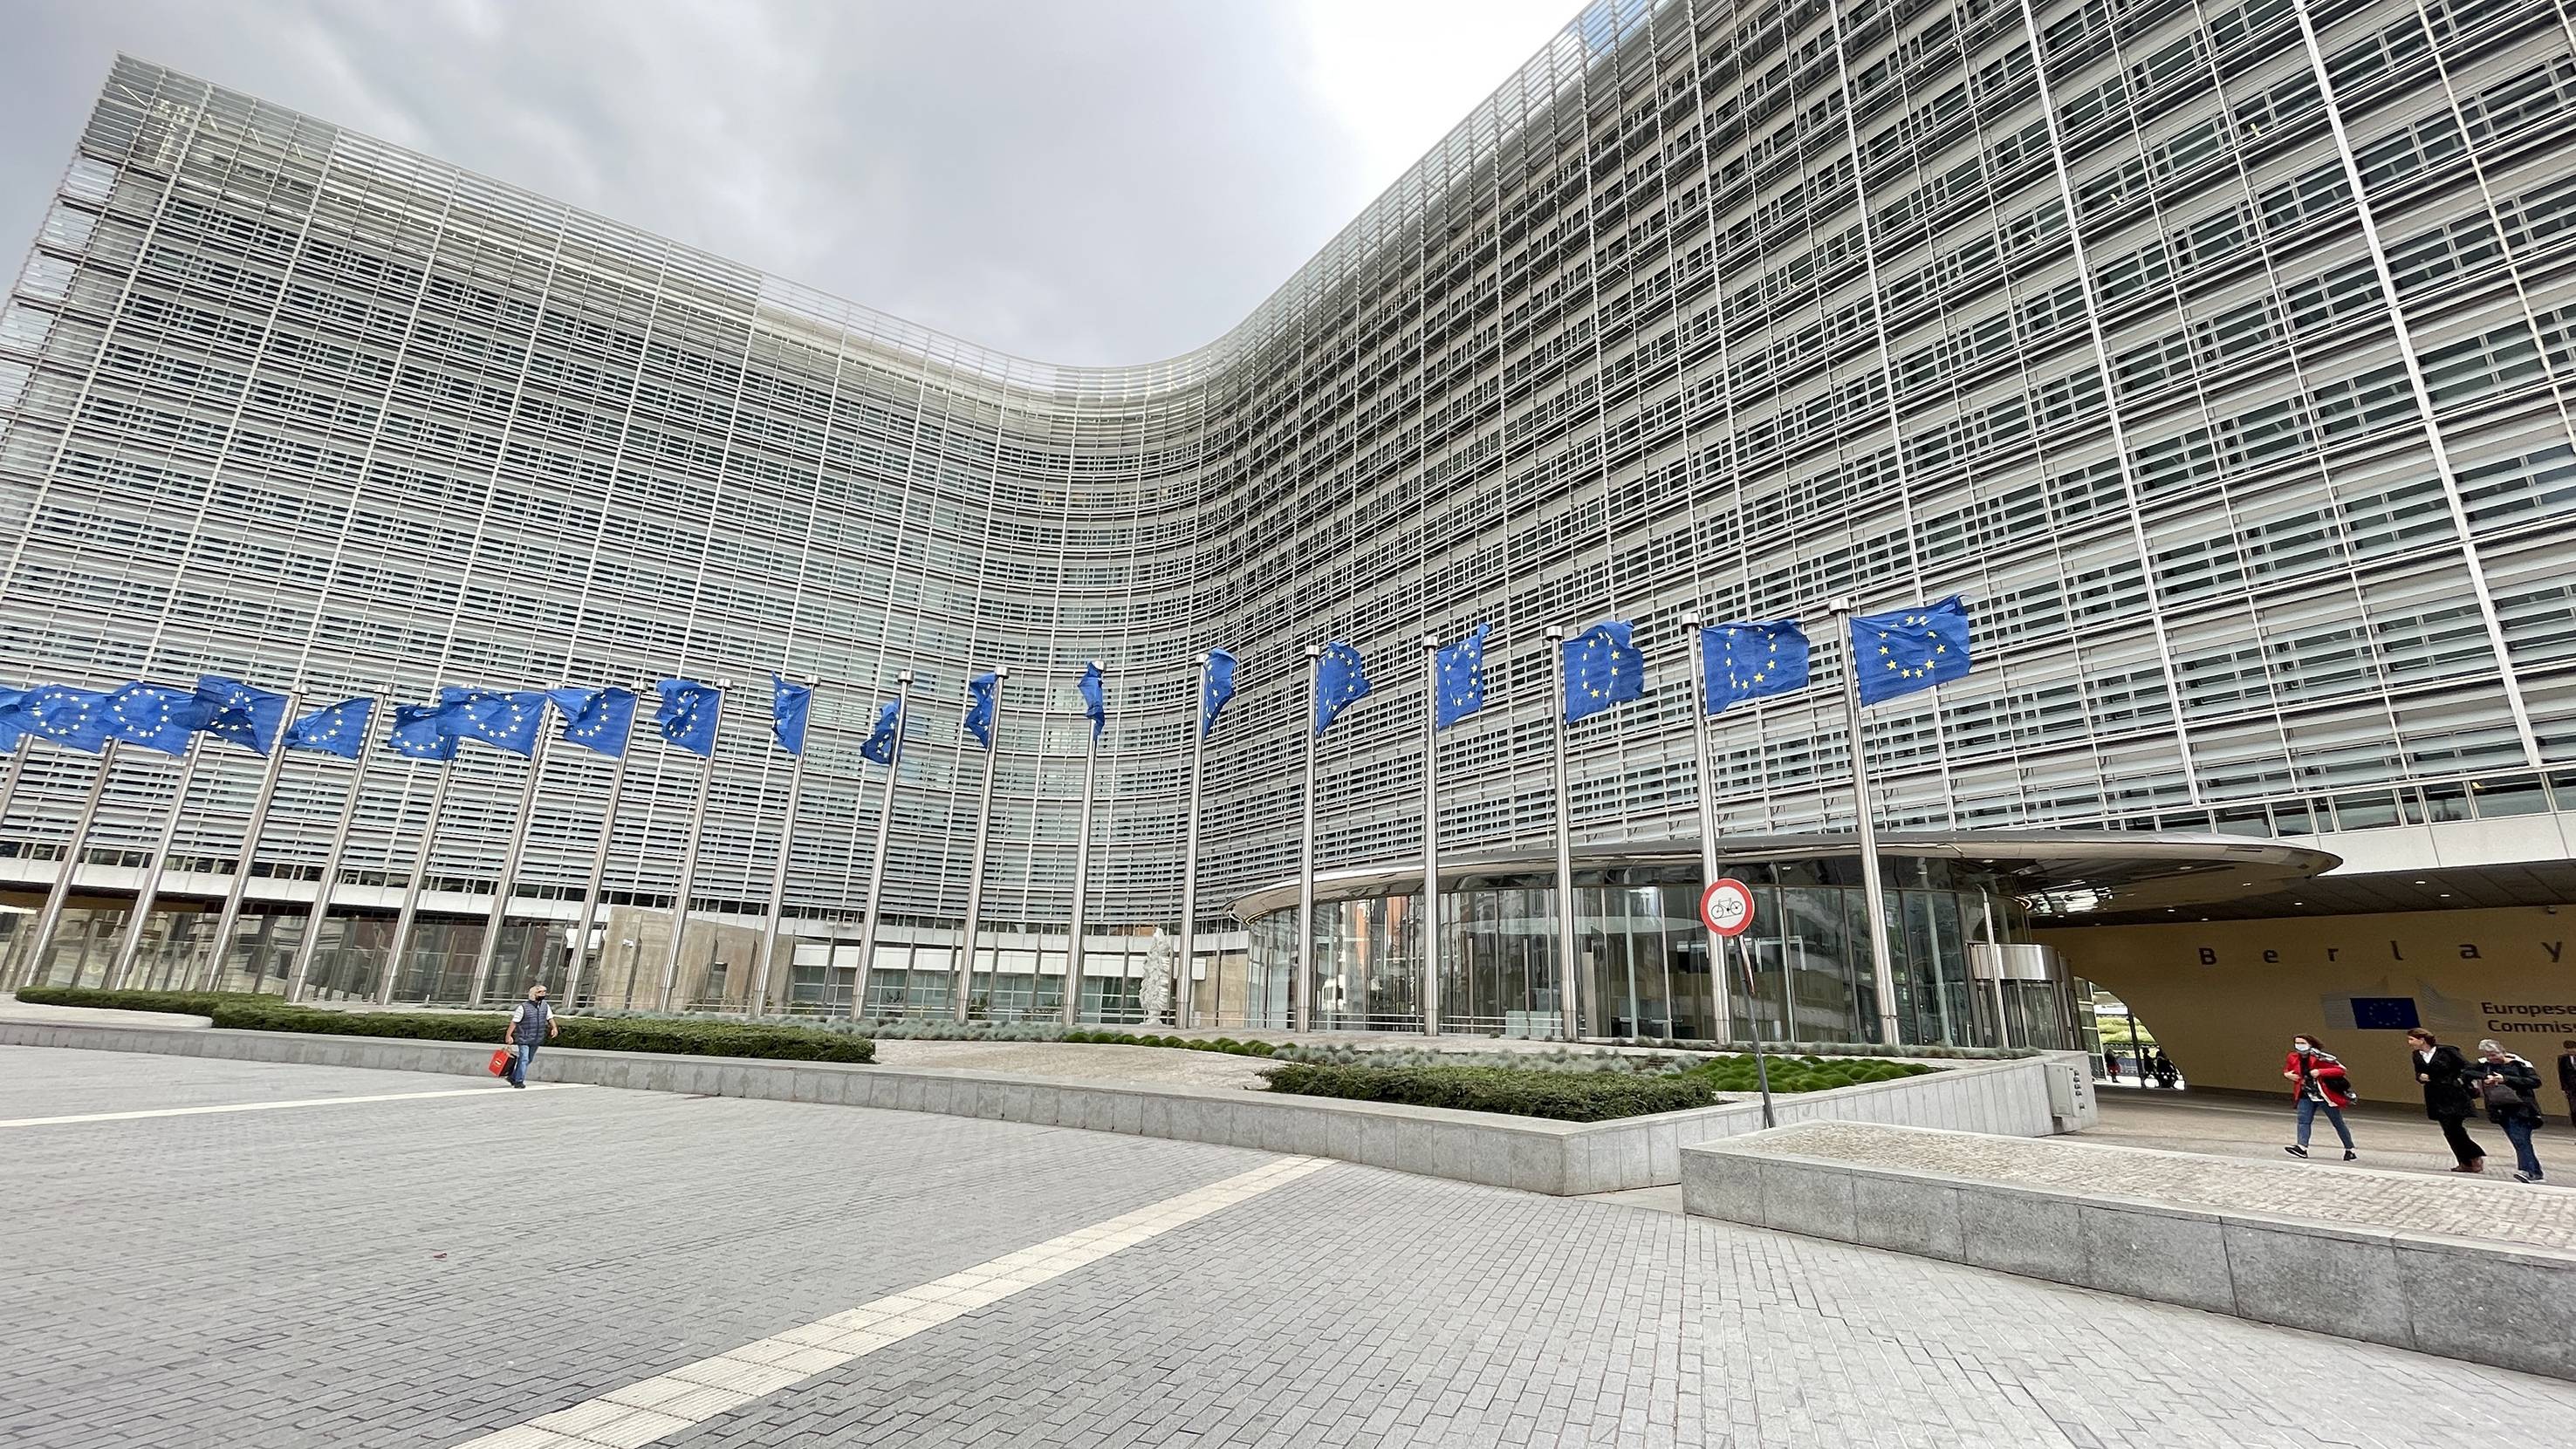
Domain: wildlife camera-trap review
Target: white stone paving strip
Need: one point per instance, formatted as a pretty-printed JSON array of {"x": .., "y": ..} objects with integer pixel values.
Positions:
[
  {"x": 665, "y": 1404},
  {"x": 273, "y": 1106}
]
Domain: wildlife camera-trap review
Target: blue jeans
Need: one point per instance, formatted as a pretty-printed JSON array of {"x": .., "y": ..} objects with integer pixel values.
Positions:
[
  {"x": 2519, "y": 1129},
  {"x": 2309, "y": 1107},
  {"x": 521, "y": 1053}
]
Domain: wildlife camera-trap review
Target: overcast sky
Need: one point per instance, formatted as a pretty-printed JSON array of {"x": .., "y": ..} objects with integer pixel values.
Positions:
[{"x": 1079, "y": 181}]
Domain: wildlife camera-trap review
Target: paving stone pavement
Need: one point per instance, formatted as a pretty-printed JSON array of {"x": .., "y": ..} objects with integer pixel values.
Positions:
[
  {"x": 276, "y": 1279},
  {"x": 2491, "y": 1207}
]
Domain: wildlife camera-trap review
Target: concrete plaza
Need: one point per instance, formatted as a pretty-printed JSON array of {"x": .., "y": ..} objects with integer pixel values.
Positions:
[{"x": 417, "y": 1261}]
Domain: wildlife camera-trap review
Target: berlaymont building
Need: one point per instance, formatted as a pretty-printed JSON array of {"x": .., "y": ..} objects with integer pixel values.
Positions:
[{"x": 2217, "y": 355}]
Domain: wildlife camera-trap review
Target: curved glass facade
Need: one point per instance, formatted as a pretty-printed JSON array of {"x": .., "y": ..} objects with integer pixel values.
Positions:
[
  {"x": 1644, "y": 968},
  {"x": 2217, "y": 352}
]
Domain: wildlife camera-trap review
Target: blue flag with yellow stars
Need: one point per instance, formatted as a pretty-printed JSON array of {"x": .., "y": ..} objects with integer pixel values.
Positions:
[
  {"x": 1341, "y": 680},
  {"x": 880, "y": 743},
  {"x": 244, "y": 714},
  {"x": 790, "y": 704},
  {"x": 334, "y": 729},
  {"x": 156, "y": 716},
  {"x": 980, "y": 704},
  {"x": 1746, "y": 661},
  {"x": 1095, "y": 701},
  {"x": 420, "y": 732},
  {"x": 688, "y": 714},
  {"x": 505, "y": 719},
  {"x": 1462, "y": 677},
  {"x": 66, "y": 716},
  {"x": 1219, "y": 689},
  {"x": 1601, "y": 669},
  {"x": 13, "y": 727},
  {"x": 601, "y": 720},
  {"x": 1900, "y": 653}
]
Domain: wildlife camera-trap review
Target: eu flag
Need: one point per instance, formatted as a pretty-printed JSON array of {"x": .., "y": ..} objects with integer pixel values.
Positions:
[
  {"x": 1895, "y": 654},
  {"x": 67, "y": 716},
  {"x": 980, "y": 704},
  {"x": 244, "y": 714},
  {"x": 1601, "y": 669},
  {"x": 688, "y": 714},
  {"x": 13, "y": 726},
  {"x": 880, "y": 743},
  {"x": 1095, "y": 702},
  {"x": 505, "y": 719},
  {"x": 1745, "y": 661},
  {"x": 600, "y": 720},
  {"x": 420, "y": 732},
  {"x": 1219, "y": 689},
  {"x": 334, "y": 729},
  {"x": 156, "y": 716},
  {"x": 1341, "y": 680},
  {"x": 1462, "y": 677},
  {"x": 790, "y": 704}
]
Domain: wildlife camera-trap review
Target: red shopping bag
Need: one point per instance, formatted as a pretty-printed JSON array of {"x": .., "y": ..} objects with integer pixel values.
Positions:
[{"x": 501, "y": 1061}]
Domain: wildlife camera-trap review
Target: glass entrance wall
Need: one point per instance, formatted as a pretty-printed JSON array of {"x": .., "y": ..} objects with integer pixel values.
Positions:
[{"x": 1803, "y": 973}]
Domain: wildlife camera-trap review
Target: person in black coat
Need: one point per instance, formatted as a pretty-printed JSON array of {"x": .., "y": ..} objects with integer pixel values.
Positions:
[
  {"x": 2567, "y": 1077},
  {"x": 2510, "y": 1087},
  {"x": 2448, "y": 1098}
]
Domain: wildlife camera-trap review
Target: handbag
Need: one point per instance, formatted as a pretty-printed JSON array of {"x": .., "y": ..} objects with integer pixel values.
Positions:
[
  {"x": 2501, "y": 1096},
  {"x": 501, "y": 1061}
]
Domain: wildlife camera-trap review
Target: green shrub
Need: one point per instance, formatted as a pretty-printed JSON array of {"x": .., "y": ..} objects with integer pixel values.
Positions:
[
  {"x": 1736, "y": 1075},
  {"x": 1224, "y": 1044},
  {"x": 623, "y": 1034},
  {"x": 186, "y": 1003},
  {"x": 1519, "y": 1092}
]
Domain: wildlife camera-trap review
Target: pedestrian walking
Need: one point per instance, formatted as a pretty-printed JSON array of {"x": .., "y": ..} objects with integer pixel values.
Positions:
[
  {"x": 2510, "y": 1087},
  {"x": 2448, "y": 1096},
  {"x": 2166, "y": 1076},
  {"x": 2567, "y": 1077},
  {"x": 2320, "y": 1084},
  {"x": 532, "y": 1023}
]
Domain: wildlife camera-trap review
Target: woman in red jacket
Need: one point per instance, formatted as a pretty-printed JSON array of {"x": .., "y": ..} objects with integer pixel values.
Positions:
[{"x": 2321, "y": 1086}]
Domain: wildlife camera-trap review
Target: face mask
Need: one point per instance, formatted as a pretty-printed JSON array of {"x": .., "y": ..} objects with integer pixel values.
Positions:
[{"x": 2302, "y": 1047}]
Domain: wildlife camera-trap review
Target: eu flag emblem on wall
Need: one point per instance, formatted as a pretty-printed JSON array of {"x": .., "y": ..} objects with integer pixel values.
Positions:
[
  {"x": 601, "y": 720},
  {"x": 880, "y": 743},
  {"x": 156, "y": 716},
  {"x": 1461, "y": 690},
  {"x": 980, "y": 703},
  {"x": 790, "y": 704},
  {"x": 334, "y": 729},
  {"x": 1341, "y": 680},
  {"x": 243, "y": 714},
  {"x": 1095, "y": 700},
  {"x": 1895, "y": 654},
  {"x": 420, "y": 732},
  {"x": 688, "y": 714},
  {"x": 1746, "y": 661},
  {"x": 505, "y": 719},
  {"x": 1220, "y": 688},
  {"x": 1601, "y": 669}
]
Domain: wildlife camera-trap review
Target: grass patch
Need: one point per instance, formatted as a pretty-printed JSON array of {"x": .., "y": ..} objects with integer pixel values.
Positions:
[
  {"x": 1515, "y": 1091},
  {"x": 185, "y": 1003},
  {"x": 1225, "y": 1044},
  {"x": 1735, "y": 1075},
  {"x": 678, "y": 1038}
]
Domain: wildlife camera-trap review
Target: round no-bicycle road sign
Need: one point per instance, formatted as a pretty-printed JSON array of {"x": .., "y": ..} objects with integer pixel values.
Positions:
[{"x": 1727, "y": 906}]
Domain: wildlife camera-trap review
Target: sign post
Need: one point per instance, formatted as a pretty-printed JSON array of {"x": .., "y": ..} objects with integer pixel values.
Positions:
[{"x": 1726, "y": 908}]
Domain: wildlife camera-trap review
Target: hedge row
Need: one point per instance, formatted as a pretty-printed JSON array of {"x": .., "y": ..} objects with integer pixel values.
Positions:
[
  {"x": 681, "y": 1038},
  {"x": 186, "y": 1003},
  {"x": 1736, "y": 1075},
  {"x": 1225, "y": 1044},
  {"x": 1519, "y": 1092}
]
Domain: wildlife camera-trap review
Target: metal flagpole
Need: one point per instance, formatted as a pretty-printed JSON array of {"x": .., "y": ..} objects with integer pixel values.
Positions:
[
  {"x": 306, "y": 948},
  {"x": 1081, "y": 879},
  {"x": 1567, "y": 968},
  {"x": 1873, "y": 888},
  {"x": 419, "y": 879},
  {"x": 52, "y": 915},
  {"x": 876, "y": 867},
  {"x": 689, "y": 863},
  {"x": 1190, "y": 852},
  {"x": 983, "y": 837},
  {"x": 580, "y": 942},
  {"x": 1707, "y": 766},
  {"x": 148, "y": 891},
  {"x": 229, "y": 919},
  {"x": 508, "y": 884},
  {"x": 1430, "y": 835},
  {"x": 17, "y": 767},
  {"x": 759, "y": 1000},
  {"x": 1303, "y": 990}
]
